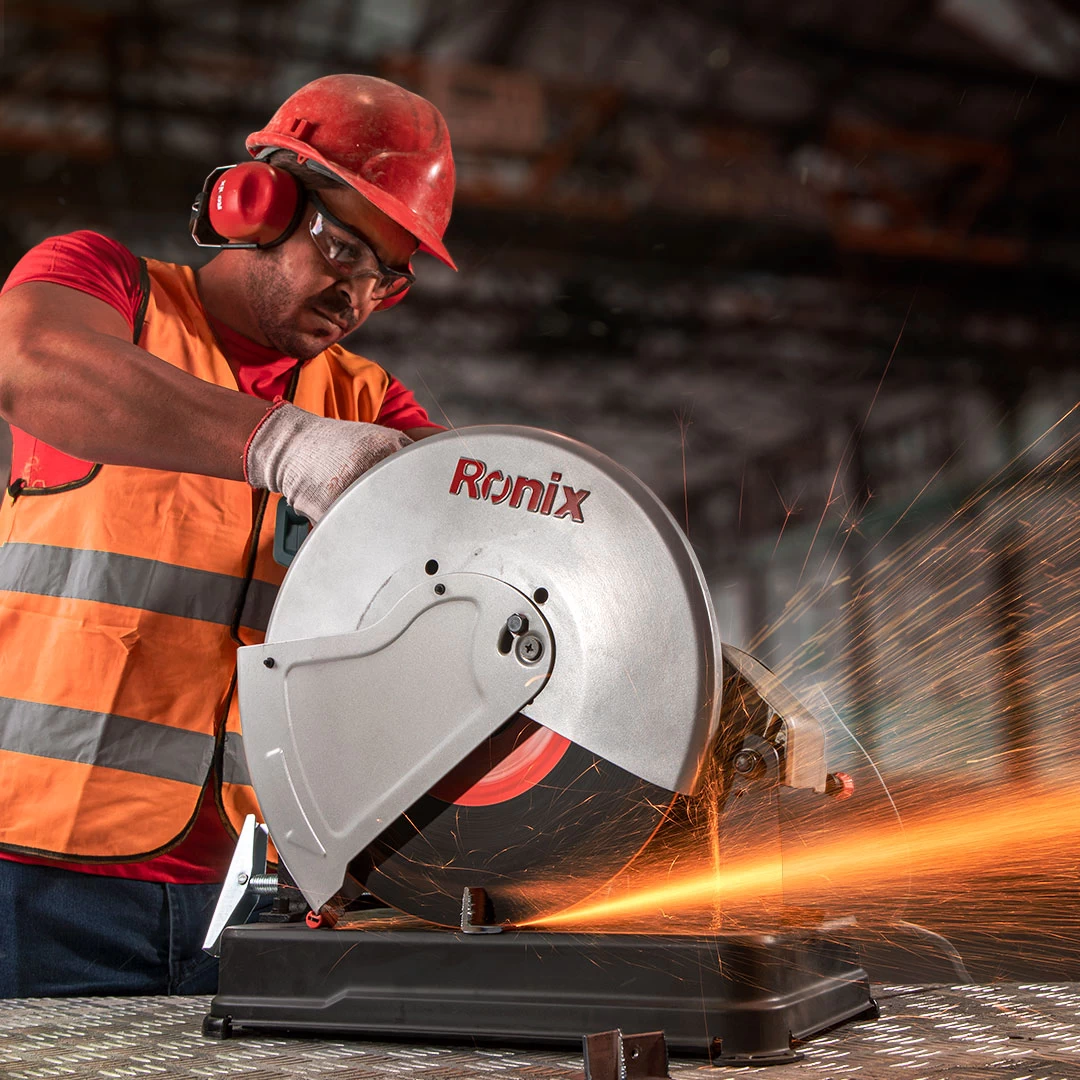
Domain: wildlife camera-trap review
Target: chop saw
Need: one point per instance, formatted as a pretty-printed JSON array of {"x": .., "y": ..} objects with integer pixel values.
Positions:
[{"x": 491, "y": 674}]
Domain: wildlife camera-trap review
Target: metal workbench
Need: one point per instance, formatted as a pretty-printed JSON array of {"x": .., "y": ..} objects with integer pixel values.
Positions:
[{"x": 998, "y": 1032}]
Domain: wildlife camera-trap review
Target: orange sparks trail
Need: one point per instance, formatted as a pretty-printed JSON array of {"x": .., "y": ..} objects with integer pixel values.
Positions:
[
  {"x": 961, "y": 844},
  {"x": 948, "y": 636}
]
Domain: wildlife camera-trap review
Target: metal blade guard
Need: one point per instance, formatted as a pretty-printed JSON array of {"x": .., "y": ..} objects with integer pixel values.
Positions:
[{"x": 472, "y": 576}]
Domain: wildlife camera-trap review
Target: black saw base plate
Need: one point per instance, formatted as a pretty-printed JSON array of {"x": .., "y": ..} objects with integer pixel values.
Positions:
[{"x": 734, "y": 998}]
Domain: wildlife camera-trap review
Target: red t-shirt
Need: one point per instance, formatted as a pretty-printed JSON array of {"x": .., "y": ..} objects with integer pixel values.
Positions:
[{"x": 107, "y": 270}]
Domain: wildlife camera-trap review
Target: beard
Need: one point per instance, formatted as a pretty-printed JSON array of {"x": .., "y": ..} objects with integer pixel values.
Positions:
[{"x": 278, "y": 310}]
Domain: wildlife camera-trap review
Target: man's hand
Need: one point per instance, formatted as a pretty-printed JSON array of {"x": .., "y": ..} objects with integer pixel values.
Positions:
[{"x": 310, "y": 459}]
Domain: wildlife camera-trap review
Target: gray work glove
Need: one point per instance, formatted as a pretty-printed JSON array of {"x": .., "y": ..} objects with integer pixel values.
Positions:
[{"x": 312, "y": 459}]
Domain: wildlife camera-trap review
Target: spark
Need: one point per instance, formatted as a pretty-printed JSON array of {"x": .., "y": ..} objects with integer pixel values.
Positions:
[
  {"x": 742, "y": 485},
  {"x": 684, "y": 419},
  {"x": 438, "y": 404},
  {"x": 1025, "y": 97},
  {"x": 965, "y": 808},
  {"x": 789, "y": 510},
  {"x": 829, "y": 501},
  {"x": 888, "y": 363},
  {"x": 966, "y": 840},
  {"x": 870, "y": 760},
  {"x": 911, "y": 505}
]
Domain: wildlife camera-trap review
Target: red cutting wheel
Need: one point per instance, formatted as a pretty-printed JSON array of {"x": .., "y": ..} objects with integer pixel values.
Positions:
[{"x": 535, "y": 820}]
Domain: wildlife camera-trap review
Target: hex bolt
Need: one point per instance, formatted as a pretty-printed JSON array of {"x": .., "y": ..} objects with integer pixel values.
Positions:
[
  {"x": 517, "y": 624},
  {"x": 746, "y": 761},
  {"x": 529, "y": 648},
  {"x": 241, "y": 878}
]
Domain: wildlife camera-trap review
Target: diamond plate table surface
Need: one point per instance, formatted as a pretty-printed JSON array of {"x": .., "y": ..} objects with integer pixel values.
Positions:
[{"x": 999, "y": 1032}]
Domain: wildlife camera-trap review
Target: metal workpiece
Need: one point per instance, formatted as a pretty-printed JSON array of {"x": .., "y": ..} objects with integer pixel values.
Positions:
[
  {"x": 347, "y": 729},
  {"x": 636, "y": 675},
  {"x": 477, "y": 913},
  {"x": 612, "y": 1055}
]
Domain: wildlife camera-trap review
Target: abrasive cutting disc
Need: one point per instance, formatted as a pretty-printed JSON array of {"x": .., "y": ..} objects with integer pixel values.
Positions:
[
  {"x": 563, "y": 795},
  {"x": 535, "y": 820}
]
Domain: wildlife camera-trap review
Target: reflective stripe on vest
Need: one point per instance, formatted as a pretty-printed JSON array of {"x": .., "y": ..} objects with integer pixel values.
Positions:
[
  {"x": 234, "y": 769},
  {"x": 112, "y": 742},
  {"x": 129, "y": 581},
  {"x": 117, "y": 598}
]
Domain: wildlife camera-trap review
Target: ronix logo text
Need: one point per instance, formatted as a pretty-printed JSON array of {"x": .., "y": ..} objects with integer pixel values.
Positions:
[{"x": 471, "y": 478}]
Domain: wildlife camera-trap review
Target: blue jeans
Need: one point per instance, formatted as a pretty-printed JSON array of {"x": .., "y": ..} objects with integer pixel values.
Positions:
[{"x": 68, "y": 933}]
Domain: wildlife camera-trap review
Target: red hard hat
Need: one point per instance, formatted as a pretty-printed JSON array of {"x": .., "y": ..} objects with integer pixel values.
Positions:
[{"x": 385, "y": 142}]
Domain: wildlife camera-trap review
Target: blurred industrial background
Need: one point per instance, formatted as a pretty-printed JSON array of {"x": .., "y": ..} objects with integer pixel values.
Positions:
[{"x": 808, "y": 267}]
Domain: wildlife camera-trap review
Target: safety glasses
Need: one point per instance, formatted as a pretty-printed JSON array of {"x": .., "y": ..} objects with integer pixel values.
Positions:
[{"x": 351, "y": 255}]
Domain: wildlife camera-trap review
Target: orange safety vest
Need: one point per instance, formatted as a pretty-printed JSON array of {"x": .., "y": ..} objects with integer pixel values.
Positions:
[{"x": 120, "y": 594}]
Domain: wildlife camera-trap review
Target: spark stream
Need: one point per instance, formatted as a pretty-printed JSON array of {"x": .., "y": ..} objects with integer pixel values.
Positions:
[
  {"x": 956, "y": 648},
  {"x": 982, "y": 839}
]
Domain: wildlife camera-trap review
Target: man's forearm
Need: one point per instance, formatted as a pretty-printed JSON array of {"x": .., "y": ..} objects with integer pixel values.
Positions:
[
  {"x": 121, "y": 406},
  {"x": 100, "y": 398},
  {"x": 70, "y": 375}
]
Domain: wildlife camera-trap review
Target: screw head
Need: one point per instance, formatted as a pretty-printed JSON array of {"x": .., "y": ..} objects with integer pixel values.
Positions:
[
  {"x": 746, "y": 761},
  {"x": 268, "y": 662},
  {"x": 529, "y": 648},
  {"x": 517, "y": 624},
  {"x": 241, "y": 878}
]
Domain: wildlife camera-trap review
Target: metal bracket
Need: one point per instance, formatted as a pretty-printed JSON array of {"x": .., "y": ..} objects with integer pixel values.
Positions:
[
  {"x": 245, "y": 882},
  {"x": 611, "y": 1055},
  {"x": 477, "y": 914}
]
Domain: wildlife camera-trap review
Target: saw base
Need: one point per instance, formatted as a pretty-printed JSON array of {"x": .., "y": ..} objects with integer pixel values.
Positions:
[{"x": 732, "y": 998}]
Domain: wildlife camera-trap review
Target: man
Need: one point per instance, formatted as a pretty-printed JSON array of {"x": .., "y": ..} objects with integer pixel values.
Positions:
[{"x": 154, "y": 408}]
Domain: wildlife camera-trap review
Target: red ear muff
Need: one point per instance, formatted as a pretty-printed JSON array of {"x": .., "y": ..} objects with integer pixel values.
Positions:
[{"x": 253, "y": 203}]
